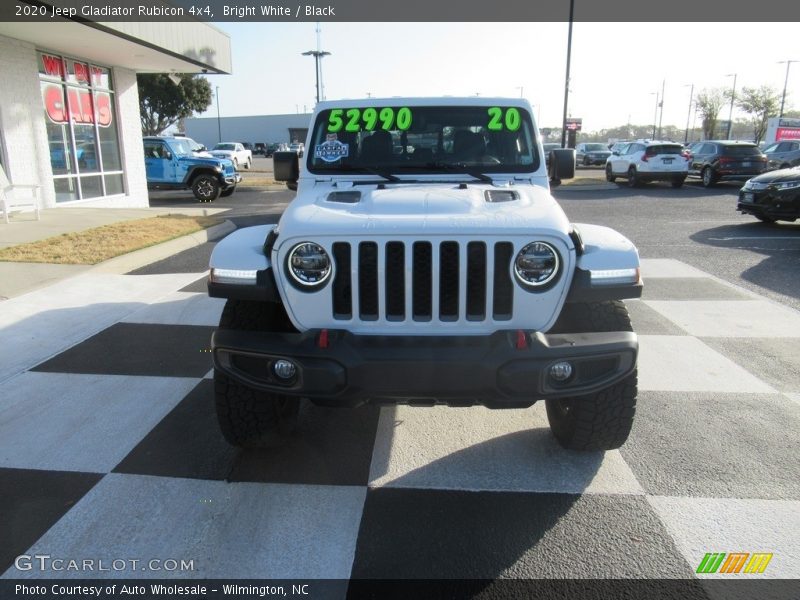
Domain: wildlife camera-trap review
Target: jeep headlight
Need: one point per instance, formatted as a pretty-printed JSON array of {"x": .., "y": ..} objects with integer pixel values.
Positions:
[
  {"x": 309, "y": 265},
  {"x": 536, "y": 265}
]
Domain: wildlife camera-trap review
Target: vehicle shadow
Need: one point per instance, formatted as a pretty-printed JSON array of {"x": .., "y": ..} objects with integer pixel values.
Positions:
[{"x": 778, "y": 242}]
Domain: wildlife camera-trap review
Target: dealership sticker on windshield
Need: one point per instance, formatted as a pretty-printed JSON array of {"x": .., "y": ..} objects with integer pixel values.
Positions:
[{"x": 331, "y": 150}]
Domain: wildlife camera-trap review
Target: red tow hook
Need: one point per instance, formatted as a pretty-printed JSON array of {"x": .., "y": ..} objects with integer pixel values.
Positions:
[
  {"x": 522, "y": 340},
  {"x": 322, "y": 340}
]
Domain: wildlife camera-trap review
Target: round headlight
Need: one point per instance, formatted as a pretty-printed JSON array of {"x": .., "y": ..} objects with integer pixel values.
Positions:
[
  {"x": 537, "y": 264},
  {"x": 309, "y": 264}
]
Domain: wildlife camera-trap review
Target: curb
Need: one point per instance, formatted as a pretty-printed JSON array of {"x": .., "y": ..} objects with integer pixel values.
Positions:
[
  {"x": 141, "y": 258},
  {"x": 600, "y": 187}
]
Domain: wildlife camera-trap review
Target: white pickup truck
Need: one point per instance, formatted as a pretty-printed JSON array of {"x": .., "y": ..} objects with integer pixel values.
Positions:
[
  {"x": 234, "y": 151},
  {"x": 424, "y": 261}
]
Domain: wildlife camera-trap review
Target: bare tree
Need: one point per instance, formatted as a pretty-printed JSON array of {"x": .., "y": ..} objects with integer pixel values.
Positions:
[
  {"x": 760, "y": 103},
  {"x": 709, "y": 103}
]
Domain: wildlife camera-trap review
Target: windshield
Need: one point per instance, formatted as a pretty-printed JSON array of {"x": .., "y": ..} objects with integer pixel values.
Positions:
[
  {"x": 224, "y": 147},
  {"x": 181, "y": 147},
  {"x": 423, "y": 139},
  {"x": 741, "y": 150},
  {"x": 596, "y": 148}
]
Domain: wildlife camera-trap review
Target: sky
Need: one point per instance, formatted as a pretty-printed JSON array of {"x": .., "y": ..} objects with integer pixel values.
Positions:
[{"x": 616, "y": 70}]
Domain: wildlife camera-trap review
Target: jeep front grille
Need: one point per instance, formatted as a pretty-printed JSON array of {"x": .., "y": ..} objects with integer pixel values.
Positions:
[{"x": 423, "y": 281}]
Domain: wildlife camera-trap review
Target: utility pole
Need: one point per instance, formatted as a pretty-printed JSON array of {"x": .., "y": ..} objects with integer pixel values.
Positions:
[
  {"x": 688, "y": 115},
  {"x": 730, "y": 112},
  {"x": 661, "y": 117},
  {"x": 785, "y": 82},
  {"x": 566, "y": 79},
  {"x": 219, "y": 122}
]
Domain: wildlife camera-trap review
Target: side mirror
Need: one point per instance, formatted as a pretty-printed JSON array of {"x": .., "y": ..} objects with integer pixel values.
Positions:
[
  {"x": 615, "y": 153},
  {"x": 286, "y": 166},
  {"x": 202, "y": 148},
  {"x": 168, "y": 155},
  {"x": 562, "y": 164}
]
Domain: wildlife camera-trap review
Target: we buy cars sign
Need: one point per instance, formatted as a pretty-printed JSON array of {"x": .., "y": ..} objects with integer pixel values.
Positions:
[{"x": 788, "y": 133}]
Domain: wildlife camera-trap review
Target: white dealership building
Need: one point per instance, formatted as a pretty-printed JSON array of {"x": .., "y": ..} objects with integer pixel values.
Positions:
[{"x": 69, "y": 104}]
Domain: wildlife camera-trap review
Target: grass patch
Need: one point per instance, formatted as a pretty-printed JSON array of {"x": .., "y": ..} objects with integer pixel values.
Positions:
[
  {"x": 257, "y": 181},
  {"x": 585, "y": 181},
  {"x": 101, "y": 243}
]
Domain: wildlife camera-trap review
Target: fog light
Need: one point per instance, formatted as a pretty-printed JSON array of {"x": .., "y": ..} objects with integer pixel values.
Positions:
[
  {"x": 284, "y": 369},
  {"x": 561, "y": 371}
]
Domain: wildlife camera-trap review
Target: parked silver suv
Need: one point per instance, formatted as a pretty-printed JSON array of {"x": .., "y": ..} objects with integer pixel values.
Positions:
[
  {"x": 643, "y": 161},
  {"x": 783, "y": 155}
]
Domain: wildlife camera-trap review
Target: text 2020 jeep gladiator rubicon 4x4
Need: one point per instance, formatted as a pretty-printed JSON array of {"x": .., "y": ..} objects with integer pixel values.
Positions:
[{"x": 424, "y": 261}]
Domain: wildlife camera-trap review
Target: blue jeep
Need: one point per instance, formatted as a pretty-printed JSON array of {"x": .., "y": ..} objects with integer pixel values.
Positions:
[{"x": 171, "y": 165}]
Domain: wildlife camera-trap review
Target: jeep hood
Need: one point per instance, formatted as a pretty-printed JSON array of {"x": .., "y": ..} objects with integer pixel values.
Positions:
[
  {"x": 210, "y": 161},
  {"x": 423, "y": 209}
]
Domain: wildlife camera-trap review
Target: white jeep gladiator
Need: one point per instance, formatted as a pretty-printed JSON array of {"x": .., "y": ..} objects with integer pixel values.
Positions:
[{"x": 424, "y": 261}]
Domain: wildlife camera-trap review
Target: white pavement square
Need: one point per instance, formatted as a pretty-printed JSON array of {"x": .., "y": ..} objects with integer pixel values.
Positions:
[
  {"x": 89, "y": 423},
  {"x": 482, "y": 449},
  {"x": 731, "y": 318},
  {"x": 701, "y": 525},
  {"x": 668, "y": 267},
  {"x": 229, "y": 530},
  {"x": 673, "y": 363}
]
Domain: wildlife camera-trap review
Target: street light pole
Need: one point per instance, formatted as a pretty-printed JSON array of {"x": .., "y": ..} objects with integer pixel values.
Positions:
[
  {"x": 655, "y": 115},
  {"x": 219, "y": 122},
  {"x": 566, "y": 79},
  {"x": 785, "y": 82},
  {"x": 661, "y": 117},
  {"x": 688, "y": 115},
  {"x": 730, "y": 112},
  {"x": 317, "y": 54}
]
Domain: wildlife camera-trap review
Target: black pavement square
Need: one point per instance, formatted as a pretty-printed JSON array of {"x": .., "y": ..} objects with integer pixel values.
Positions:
[
  {"x": 773, "y": 360},
  {"x": 32, "y": 502},
  {"x": 200, "y": 286},
  {"x": 332, "y": 446},
  {"x": 648, "y": 321},
  {"x": 186, "y": 443},
  {"x": 689, "y": 288},
  {"x": 139, "y": 349},
  {"x": 193, "y": 260},
  {"x": 438, "y": 534},
  {"x": 716, "y": 445}
]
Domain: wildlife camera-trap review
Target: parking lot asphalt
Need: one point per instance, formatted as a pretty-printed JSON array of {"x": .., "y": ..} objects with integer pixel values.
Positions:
[{"x": 107, "y": 427}]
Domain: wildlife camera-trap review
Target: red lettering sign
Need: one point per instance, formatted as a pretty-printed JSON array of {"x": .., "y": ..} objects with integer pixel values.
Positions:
[
  {"x": 81, "y": 108},
  {"x": 81, "y": 72},
  {"x": 53, "y": 66},
  {"x": 787, "y": 133}
]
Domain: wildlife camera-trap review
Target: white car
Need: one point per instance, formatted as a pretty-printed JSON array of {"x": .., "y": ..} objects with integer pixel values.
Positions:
[
  {"x": 444, "y": 275},
  {"x": 234, "y": 151},
  {"x": 643, "y": 161}
]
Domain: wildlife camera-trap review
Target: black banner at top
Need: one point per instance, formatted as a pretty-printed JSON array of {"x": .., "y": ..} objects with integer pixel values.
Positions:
[{"x": 633, "y": 11}]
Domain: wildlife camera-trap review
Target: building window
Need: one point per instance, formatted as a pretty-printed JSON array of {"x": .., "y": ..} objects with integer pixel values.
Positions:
[{"x": 82, "y": 129}]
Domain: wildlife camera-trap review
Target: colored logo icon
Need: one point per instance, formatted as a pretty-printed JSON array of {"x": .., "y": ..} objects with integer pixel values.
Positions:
[{"x": 734, "y": 562}]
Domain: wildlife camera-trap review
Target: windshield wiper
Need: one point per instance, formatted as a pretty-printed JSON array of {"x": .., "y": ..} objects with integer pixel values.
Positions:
[
  {"x": 380, "y": 173},
  {"x": 453, "y": 166}
]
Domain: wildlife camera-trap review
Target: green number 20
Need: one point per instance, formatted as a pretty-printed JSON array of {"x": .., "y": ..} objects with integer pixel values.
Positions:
[{"x": 512, "y": 120}]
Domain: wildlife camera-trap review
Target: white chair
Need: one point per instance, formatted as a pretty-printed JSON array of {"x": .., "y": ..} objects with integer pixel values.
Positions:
[{"x": 17, "y": 197}]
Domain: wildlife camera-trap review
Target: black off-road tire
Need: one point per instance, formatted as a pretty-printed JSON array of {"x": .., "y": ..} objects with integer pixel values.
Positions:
[
  {"x": 603, "y": 420},
  {"x": 610, "y": 174},
  {"x": 206, "y": 188},
  {"x": 709, "y": 177},
  {"x": 252, "y": 418}
]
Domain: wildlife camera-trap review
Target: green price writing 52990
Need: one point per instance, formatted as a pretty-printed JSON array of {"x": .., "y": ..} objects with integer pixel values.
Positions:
[{"x": 369, "y": 119}]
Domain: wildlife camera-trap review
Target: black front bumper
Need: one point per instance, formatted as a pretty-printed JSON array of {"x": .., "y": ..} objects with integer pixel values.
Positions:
[
  {"x": 490, "y": 370},
  {"x": 775, "y": 204}
]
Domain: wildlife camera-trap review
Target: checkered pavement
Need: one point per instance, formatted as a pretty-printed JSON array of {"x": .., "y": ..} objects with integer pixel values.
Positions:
[{"x": 109, "y": 449}]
